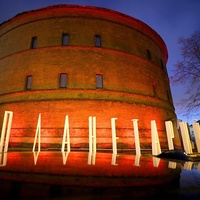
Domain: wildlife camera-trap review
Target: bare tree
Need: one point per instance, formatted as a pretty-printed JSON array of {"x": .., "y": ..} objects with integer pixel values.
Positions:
[{"x": 187, "y": 73}]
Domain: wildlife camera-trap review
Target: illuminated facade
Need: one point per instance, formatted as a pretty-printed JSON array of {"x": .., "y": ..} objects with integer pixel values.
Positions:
[{"x": 83, "y": 61}]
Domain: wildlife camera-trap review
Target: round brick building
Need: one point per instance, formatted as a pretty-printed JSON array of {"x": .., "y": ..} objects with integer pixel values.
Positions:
[{"x": 83, "y": 61}]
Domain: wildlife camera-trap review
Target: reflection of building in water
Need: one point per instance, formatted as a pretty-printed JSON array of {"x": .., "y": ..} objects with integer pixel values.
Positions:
[
  {"x": 35, "y": 175},
  {"x": 103, "y": 168},
  {"x": 83, "y": 61}
]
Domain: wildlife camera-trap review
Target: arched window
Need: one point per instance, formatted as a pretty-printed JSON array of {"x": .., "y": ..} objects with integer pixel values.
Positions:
[
  {"x": 34, "y": 42},
  {"x": 97, "y": 41},
  {"x": 65, "y": 39},
  {"x": 148, "y": 54},
  {"x": 28, "y": 82},
  {"x": 63, "y": 80},
  {"x": 99, "y": 81}
]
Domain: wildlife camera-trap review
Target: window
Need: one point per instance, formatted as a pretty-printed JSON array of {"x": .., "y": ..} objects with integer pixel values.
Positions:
[
  {"x": 154, "y": 90},
  {"x": 99, "y": 81},
  {"x": 33, "y": 42},
  {"x": 169, "y": 97},
  {"x": 63, "y": 80},
  {"x": 28, "y": 82},
  {"x": 65, "y": 39},
  {"x": 148, "y": 54},
  {"x": 97, "y": 41},
  {"x": 162, "y": 65}
]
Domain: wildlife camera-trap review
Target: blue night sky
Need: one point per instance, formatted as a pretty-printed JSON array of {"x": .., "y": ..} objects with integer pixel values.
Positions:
[{"x": 169, "y": 18}]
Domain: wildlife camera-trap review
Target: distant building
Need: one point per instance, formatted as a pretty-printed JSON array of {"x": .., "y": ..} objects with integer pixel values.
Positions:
[
  {"x": 83, "y": 61},
  {"x": 192, "y": 131}
]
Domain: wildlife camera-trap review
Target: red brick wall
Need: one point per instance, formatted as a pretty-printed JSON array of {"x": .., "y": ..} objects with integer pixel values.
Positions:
[
  {"x": 53, "y": 115},
  {"x": 128, "y": 76}
]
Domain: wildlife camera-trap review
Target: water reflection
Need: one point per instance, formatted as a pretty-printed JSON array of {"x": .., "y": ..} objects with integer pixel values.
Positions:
[
  {"x": 172, "y": 165},
  {"x": 190, "y": 178},
  {"x": 3, "y": 159},
  {"x": 91, "y": 158},
  {"x": 98, "y": 173},
  {"x": 101, "y": 166},
  {"x": 35, "y": 156},
  {"x": 156, "y": 161},
  {"x": 65, "y": 156},
  {"x": 190, "y": 181},
  {"x": 137, "y": 160}
]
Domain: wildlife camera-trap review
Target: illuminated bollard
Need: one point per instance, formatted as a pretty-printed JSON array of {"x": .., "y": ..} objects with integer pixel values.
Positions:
[
  {"x": 136, "y": 134},
  {"x": 170, "y": 134},
  {"x": 185, "y": 137},
  {"x": 92, "y": 134},
  {"x": 114, "y": 138},
  {"x": 155, "y": 139},
  {"x": 66, "y": 136},
  {"x": 196, "y": 129},
  {"x": 5, "y": 132},
  {"x": 37, "y": 134}
]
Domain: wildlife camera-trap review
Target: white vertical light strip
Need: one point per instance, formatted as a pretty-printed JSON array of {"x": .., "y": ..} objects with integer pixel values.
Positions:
[
  {"x": 185, "y": 137},
  {"x": 114, "y": 138},
  {"x": 170, "y": 134},
  {"x": 155, "y": 139},
  {"x": 37, "y": 134},
  {"x": 66, "y": 136},
  {"x": 92, "y": 134},
  {"x": 136, "y": 134},
  {"x": 196, "y": 128},
  {"x": 5, "y": 133}
]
